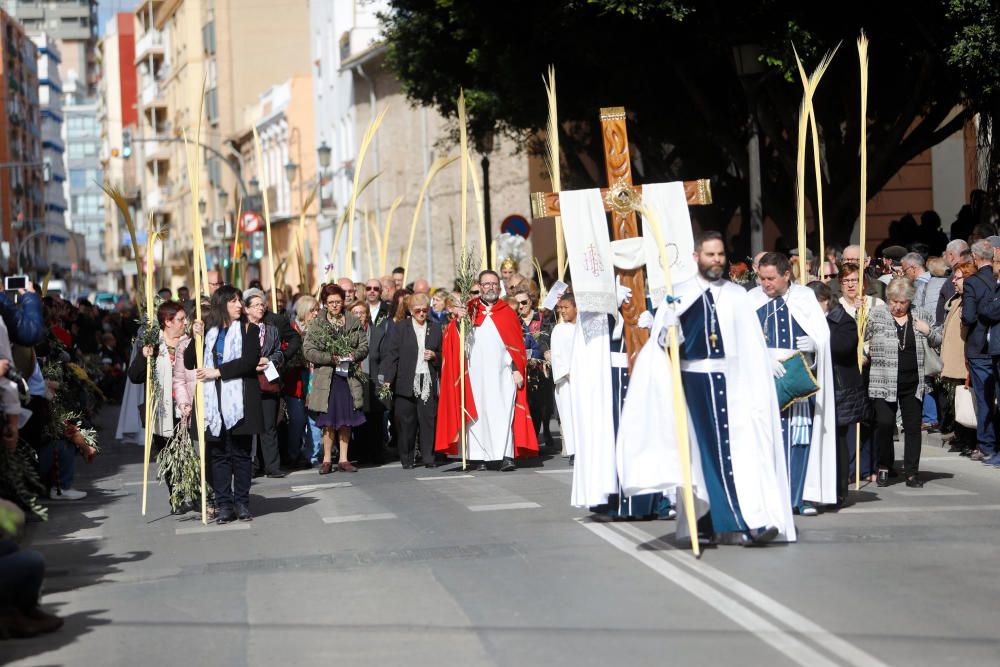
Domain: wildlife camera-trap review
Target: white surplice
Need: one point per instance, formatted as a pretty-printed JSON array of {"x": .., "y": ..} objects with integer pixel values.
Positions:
[
  {"x": 491, "y": 436},
  {"x": 561, "y": 346},
  {"x": 595, "y": 474}
]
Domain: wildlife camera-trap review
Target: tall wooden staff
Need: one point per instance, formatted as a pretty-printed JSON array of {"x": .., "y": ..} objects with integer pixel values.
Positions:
[
  {"x": 262, "y": 172},
  {"x": 150, "y": 394},
  {"x": 806, "y": 114},
  {"x": 552, "y": 159},
  {"x": 862, "y": 319},
  {"x": 680, "y": 405},
  {"x": 464, "y": 141},
  {"x": 194, "y": 179}
]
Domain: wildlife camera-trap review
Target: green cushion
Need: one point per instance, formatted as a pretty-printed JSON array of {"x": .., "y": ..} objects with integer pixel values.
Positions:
[{"x": 797, "y": 382}]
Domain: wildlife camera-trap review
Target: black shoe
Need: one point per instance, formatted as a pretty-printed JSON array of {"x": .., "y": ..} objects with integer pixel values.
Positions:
[
  {"x": 758, "y": 537},
  {"x": 893, "y": 473},
  {"x": 407, "y": 466},
  {"x": 481, "y": 467},
  {"x": 277, "y": 475},
  {"x": 508, "y": 465},
  {"x": 572, "y": 460},
  {"x": 914, "y": 483},
  {"x": 258, "y": 473},
  {"x": 432, "y": 464},
  {"x": 225, "y": 516},
  {"x": 883, "y": 478},
  {"x": 243, "y": 513}
]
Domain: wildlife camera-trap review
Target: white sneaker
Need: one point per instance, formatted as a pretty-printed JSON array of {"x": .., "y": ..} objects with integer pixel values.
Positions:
[{"x": 67, "y": 494}]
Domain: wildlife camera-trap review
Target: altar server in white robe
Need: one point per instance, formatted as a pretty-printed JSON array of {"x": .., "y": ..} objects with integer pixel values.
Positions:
[
  {"x": 561, "y": 354},
  {"x": 738, "y": 465},
  {"x": 792, "y": 321}
]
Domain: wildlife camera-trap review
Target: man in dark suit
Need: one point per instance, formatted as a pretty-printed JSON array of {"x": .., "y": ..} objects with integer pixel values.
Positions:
[
  {"x": 977, "y": 292},
  {"x": 411, "y": 366},
  {"x": 377, "y": 308}
]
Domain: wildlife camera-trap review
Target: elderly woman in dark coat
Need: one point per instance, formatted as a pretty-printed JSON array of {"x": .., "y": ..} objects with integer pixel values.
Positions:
[
  {"x": 335, "y": 344},
  {"x": 231, "y": 398},
  {"x": 898, "y": 335}
]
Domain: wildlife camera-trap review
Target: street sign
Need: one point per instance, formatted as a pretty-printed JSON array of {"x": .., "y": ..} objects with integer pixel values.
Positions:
[
  {"x": 516, "y": 224},
  {"x": 250, "y": 222}
]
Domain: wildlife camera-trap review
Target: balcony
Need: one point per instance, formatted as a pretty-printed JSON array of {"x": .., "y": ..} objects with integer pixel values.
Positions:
[
  {"x": 150, "y": 44},
  {"x": 152, "y": 96},
  {"x": 157, "y": 200},
  {"x": 155, "y": 150}
]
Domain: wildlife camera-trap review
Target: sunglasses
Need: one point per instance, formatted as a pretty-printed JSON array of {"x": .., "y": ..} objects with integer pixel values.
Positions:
[
  {"x": 474, "y": 292},
  {"x": 373, "y": 289},
  {"x": 418, "y": 310},
  {"x": 523, "y": 303}
]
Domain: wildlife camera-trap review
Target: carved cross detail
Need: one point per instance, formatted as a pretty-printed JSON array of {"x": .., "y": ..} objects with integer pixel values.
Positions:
[{"x": 617, "y": 201}]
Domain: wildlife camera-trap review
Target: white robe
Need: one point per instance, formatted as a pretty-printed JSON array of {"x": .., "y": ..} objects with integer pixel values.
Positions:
[
  {"x": 821, "y": 471},
  {"x": 647, "y": 445},
  {"x": 491, "y": 436},
  {"x": 595, "y": 474},
  {"x": 561, "y": 346}
]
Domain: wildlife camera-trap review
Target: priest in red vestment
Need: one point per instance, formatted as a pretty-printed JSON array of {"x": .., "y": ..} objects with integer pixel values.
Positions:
[{"x": 497, "y": 419}]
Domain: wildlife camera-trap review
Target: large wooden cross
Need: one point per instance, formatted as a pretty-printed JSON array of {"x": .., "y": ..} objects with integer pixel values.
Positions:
[{"x": 617, "y": 197}]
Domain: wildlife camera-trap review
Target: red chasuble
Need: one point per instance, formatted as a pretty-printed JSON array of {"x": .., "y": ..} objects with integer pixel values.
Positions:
[{"x": 449, "y": 422}]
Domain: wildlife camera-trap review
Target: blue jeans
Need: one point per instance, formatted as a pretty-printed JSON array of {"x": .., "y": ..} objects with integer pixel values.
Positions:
[
  {"x": 984, "y": 390},
  {"x": 930, "y": 411},
  {"x": 314, "y": 436},
  {"x": 47, "y": 453},
  {"x": 296, "y": 429},
  {"x": 21, "y": 575}
]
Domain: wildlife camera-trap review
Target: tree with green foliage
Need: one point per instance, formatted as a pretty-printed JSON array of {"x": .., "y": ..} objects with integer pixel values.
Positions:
[{"x": 673, "y": 64}]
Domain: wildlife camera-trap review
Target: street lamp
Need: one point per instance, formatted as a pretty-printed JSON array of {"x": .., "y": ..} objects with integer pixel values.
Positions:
[
  {"x": 202, "y": 205},
  {"x": 290, "y": 169},
  {"x": 324, "y": 153},
  {"x": 223, "y": 198},
  {"x": 254, "y": 187}
]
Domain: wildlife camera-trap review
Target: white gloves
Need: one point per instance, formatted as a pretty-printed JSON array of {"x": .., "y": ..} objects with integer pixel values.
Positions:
[
  {"x": 645, "y": 320},
  {"x": 805, "y": 344},
  {"x": 777, "y": 368},
  {"x": 623, "y": 293},
  {"x": 670, "y": 319}
]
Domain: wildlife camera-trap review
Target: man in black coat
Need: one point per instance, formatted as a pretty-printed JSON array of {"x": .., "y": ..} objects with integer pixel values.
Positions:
[
  {"x": 291, "y": 344},
  {"x": 414, "y": 383}
]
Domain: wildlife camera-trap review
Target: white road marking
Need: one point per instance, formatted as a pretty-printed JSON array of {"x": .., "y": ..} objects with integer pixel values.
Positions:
[
  {"x": 930, "y": 509},
  {"x": 440, "y": 477},
  {"x": 781, "y": 640},
  {"x": 935, "y": 490},
  {"x": 212, "y": 528},
  {"x": 555, "y": 472},
  {"x": 319, "y": 487},
  {"x": 831, "y": 642},
  {"x": 503, "y": 506},
  {"x": 349, "y": 518}
]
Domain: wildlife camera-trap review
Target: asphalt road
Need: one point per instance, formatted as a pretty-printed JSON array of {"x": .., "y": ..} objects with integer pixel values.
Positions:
[{"x": 436, "y": 567}]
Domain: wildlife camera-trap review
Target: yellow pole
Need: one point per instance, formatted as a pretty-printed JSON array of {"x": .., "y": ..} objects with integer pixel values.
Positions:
[
  {"x": 554, "y": 165},
  {"x": 461, "y": 392},
  {"x": 481, "y": 211},
  {"x": 384, "y": 253},
  {"x": 464, "y": 144},
  {"x": 680, "y": 405},
  {"x": 438, "y": 165},
  {"x": 262, "y": 174},
  {"x": 863, "y": 222},
  {"x": 150, "y": 398}
]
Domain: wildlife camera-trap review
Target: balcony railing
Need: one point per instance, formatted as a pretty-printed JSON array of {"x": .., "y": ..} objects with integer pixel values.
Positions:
[
  {"x": 151, "y": 95},
  {"x": 149, "y": 44}
]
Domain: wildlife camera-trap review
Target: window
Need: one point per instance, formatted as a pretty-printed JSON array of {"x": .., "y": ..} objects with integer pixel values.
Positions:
[
  {"x": 212, "y": 106},
  {"x": 88, "y": 204},
  {"x": 82, "y": 149},
  {"x": 81, "y": 179},
  {"x": 81, "y": 126}
]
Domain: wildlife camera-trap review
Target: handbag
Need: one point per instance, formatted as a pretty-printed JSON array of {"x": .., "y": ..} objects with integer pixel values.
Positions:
[
  {"x": 798, "y": 381},
  {"x": 932, "y": 362},
  {"x": 266, "y": 386},
  {"x": 965, "y": 406}
]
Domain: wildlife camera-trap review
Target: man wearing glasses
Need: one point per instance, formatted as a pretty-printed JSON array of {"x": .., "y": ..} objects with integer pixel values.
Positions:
[
  {"x": 378, "y": 309},
  {"x": 498, "y": 421}
]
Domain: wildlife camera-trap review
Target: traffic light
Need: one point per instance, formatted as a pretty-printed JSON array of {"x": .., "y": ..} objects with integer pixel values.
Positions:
[{"x": 126, "y": 143}]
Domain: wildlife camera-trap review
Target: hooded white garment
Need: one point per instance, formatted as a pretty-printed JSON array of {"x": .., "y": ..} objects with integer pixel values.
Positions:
[
  {"x": 821, "y": 470},
  {"x": 561, "y": 346},
  {"x": 588, "y": 249},
  {"x": 232, "y": 389},
  {"x": 647, "y": 446}
]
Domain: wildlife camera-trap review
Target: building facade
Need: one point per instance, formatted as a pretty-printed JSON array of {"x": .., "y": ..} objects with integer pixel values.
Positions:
[
  {"x": 181, "y": 47},
  {"x": 82, "y": 138},
  {"x": 118, "y": 119},
  {"x": 22, "y": 185},
  {"x": 351, "y": 86},
  {"x": 73, "y": 23}
]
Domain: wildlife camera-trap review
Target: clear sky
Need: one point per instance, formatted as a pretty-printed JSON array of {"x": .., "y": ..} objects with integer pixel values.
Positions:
[{"x": 107, "y": 8}]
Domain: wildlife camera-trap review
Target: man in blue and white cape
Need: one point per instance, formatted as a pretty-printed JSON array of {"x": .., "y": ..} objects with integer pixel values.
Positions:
[{"x": 738, "y": 465}]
